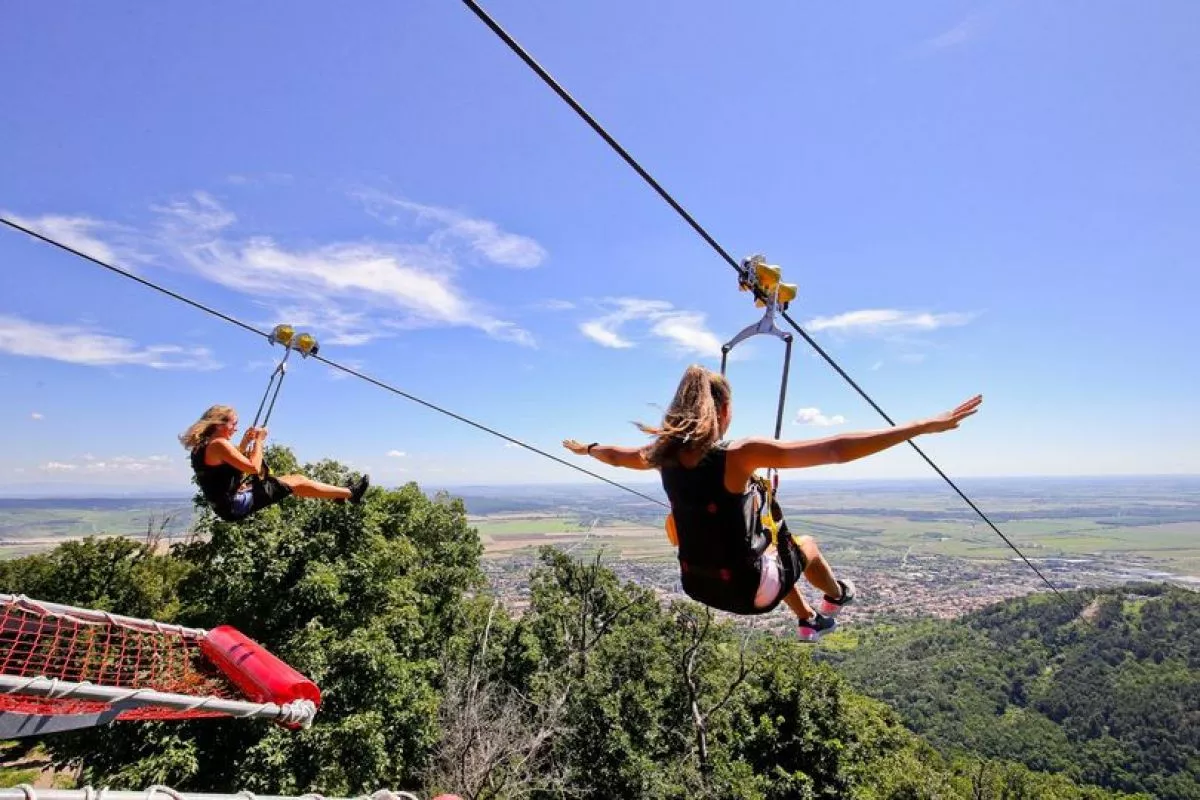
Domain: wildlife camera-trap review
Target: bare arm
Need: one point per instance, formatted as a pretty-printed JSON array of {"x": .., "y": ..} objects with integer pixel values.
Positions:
[
  {"x": 224, "y": 450},
  {"x": 627, "y": 457},
  {"x": 760, "y": 453},
  {"x": 752, "y": 454}
]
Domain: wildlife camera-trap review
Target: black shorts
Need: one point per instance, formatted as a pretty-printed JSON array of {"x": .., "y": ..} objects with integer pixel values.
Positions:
[
  {"x": 733, "y": 589},
  {"x": 259, "y": 494}
]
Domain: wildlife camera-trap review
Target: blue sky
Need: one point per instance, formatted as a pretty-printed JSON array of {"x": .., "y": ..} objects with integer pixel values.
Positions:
[{"x": 973, "y": 197}]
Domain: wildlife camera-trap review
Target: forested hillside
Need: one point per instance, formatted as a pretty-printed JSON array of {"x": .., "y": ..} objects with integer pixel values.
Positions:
[
  {"x": 1105, "y": 689},
  {"x": 597, "y": 691}
]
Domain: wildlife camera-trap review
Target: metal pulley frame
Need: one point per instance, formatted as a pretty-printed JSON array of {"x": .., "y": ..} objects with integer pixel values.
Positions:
[{"x": 757, "y": 276}]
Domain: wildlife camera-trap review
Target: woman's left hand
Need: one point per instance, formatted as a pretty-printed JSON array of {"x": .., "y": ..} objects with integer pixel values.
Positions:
[{"x": 575, "y": 447}]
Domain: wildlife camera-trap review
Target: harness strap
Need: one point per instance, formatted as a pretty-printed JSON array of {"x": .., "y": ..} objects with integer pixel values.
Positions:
[{"x": 767, "y": 511}]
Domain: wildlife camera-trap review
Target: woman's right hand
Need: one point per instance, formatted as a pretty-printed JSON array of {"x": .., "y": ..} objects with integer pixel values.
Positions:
[
  {"x": 951, "y": 419},
  {"x": 578, "y": 448}
]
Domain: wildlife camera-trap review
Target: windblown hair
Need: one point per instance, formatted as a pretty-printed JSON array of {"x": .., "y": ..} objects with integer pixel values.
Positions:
[
  {"x": 693, "y": 422},
  {"x": 200, "y": 431}
]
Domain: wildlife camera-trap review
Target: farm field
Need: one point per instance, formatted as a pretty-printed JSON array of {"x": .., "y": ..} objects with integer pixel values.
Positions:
[
  {"x": 866, "y": 540},
  {"x": 29, "y": 526},
  {"x": 1149, "y": 525},
  {"x": 510, "y": 535}
]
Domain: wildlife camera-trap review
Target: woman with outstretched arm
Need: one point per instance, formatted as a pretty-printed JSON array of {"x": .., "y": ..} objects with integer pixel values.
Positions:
[{"x": 726, "y": 555}]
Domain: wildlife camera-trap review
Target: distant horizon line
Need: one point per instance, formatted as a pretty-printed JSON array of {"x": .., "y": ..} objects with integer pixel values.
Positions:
[{"x": 19, "y": 492}]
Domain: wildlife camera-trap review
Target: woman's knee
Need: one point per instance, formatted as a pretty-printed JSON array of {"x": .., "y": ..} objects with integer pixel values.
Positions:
[
  {"x": 808, "y": 546},
  {"x": 292, "y": 481}
]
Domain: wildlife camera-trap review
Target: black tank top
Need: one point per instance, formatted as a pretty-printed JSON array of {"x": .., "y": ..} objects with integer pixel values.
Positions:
[
  {"x": 219, "y": 484},
  {"x": 717, "y": 528}
]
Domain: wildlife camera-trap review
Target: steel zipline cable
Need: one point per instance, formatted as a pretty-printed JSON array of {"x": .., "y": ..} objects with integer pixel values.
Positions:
[
  {"x": 724, "y": 254},
  {"x": 333, "y": 364}
]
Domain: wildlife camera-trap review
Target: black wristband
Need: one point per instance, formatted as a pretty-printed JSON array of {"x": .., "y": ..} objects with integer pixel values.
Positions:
[{"x": 590, "y": 446}]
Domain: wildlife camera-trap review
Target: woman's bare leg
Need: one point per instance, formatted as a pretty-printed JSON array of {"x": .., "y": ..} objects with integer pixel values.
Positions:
[
  {"x": 799, "y": 606},
  {"x": 817, "y": 570},
  {"x": 307, "y": 487}
]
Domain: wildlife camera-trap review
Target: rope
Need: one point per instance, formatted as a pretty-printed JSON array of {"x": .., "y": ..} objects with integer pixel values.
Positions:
[
  {"x": 343, "y": 368},
  {"x": 724, "y": 254}
]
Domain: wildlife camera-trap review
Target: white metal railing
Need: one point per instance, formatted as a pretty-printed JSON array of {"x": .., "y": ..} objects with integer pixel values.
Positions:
[
  {"x": 86, "y": 616},
  {"x": 298, "y": 712}
]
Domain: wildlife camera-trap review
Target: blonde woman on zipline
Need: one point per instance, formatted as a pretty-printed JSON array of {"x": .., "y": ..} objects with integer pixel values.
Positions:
[
  {"x": 726, "y": 556},
  {"x": 231, "y": 478}
]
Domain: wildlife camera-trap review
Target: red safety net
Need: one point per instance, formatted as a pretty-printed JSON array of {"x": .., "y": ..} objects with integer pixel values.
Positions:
[{"x": 38, "y": 643}]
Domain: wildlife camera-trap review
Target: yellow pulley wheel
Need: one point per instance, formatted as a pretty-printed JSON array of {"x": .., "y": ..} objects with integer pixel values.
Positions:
[
  {"x": 282, "y": 335},
  {"x": 306, "y": 343},
  {"x": 768, "y": 275}
]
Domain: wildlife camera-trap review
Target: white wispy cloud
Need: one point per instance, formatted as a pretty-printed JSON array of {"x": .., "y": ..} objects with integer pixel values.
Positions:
[
  {"x": 887, "y": 320},
  {"x": 338, "y": 325},
  {"x": 195, "y": 217},
  {"x": 341, "y": 375},
  {"x": 814, "y": 417},
  {"x": 396, "y": 454},
  {"x": 37, "y": 416},
  {"x": 78, "y": 232},
  {"x": 965, "y": 30},
  {"x": 605, "y": 330},
  {"x": 553, "y": 304},
  {"x": 685, "y": 331},
  {"x": 79, "y": 345},
  {"x": 115, "y": 464},
  {"x": 352, "y": 291},
  {"x": 259, "y": 178},
  {"x": 453, "y": 229},
  {"x": 597, "y": 331}
]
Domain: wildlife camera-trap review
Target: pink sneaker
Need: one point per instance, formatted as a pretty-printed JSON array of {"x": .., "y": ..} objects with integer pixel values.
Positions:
[
  {"x": 810, "y": 630},
  {"x": 830, "y": 607}
]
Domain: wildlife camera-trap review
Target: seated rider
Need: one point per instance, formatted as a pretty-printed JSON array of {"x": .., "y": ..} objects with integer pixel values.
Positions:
[
  {"x": 728, "y": 557},
  {"x": 230, "y": 476}
]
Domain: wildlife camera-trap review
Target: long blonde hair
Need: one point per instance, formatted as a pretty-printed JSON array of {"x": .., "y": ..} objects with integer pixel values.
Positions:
[
  {"x": 200, "y": 431},
  {"x": 693, "y": 421}
]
